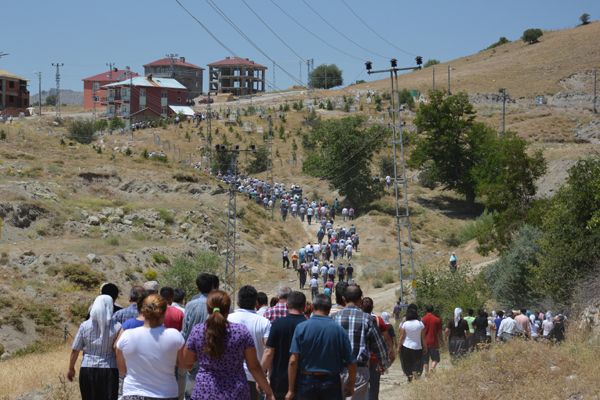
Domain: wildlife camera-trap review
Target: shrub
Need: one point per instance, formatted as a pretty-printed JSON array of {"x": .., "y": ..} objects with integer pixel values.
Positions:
[
  {"x": 184, "y": 270},
  {"x": 82, "y": 275},
  {"x": 386, "y": 166},
  {"x": 532, "y": 35},
  {"x": 160, "y": 258},
  {"x": 388, "y": 277},
  {"x": 79, "y": 310},
  {"x": 431, "y": 63},
  {"x": 82, "y": 130},
  {"x": 406, "y": 98},
  {"x": 2, "y": 135},
  {"x": 43, "y": 315},
  {"x": 150, "y": 274},
  {"x": 377, "y": 284},
  {"x": 500, "y": 42},
  {"x": 447, "y": 290},
  {"x": 428, "y": 176},
  {"x": 166, "y": 216},
  {"x": 584, "y": 18},
  {"x": 112, "y": 240},
  {"x": 182, "y": 177}
]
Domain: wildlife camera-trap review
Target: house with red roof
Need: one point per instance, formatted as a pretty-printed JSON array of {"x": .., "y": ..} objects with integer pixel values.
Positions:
[
  {"x": 189, "y": 75},
  {"x": 93, "y": 93},
  {"x": 236, "y": 75}
]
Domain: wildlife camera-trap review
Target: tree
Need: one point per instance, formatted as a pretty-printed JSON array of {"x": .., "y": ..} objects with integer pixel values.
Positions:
[
  {"x": 260, "y": 161},
  {"x": 326, "y": 76},
  {"x": 450, "y": 137},
  {"x": 184, "y": 270},
  {"x": 511, "y": 277},
  {"x": 532, "y": 35},
  {"x": 386, "y": 166},
  {"x": 431, "y": 63},
  {"x": 584, "y": 18},
  {"x": 406, "y": 98},
  {"x": 570, "y": 243},
  {"x": 500, "y": 42},
  {"x": 342, "y": 154},
  {"x": 51, "y": 100},
  {"x": 506, "y": 181}
]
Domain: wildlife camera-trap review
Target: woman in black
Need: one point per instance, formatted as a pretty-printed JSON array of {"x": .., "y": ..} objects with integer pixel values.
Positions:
[
  {"x": 457, "y": 332},
  {"x": 480, "y": 325}
]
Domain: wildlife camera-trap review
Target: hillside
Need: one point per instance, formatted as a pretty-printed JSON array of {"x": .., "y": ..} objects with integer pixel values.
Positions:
[{"x": 544, "y": 68}]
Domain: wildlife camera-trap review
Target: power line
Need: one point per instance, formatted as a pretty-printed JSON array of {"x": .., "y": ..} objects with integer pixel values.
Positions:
[
  {"x": 374, "y": 31},
  {"x": 216, "y": 8},
  {"x": 223, "y": 45},
  {"x": 314, "y": 34},
  {"x": 342, "y": 33},
  {"x": 273, "y": 32}
]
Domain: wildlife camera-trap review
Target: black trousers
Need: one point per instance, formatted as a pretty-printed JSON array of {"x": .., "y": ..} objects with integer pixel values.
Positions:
[{"x": 99, "y": 383}]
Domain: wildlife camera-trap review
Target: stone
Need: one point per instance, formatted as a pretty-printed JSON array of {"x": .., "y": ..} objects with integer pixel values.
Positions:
[
  {"x": 127, "y": 222},
  {"x": 114, "y": 219},
  {"x": 93, "y": 220},
  {"x": 5, "y": 356},
  {"x": 119, "y": 212},
  {"x": 106, "y": 211},
  {"x": 92, "y": 258},
  {"x": 185, "y": 227}
]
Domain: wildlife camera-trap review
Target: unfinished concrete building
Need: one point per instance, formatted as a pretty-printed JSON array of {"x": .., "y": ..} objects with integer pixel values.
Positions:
[{"x": 236, "y": 75}]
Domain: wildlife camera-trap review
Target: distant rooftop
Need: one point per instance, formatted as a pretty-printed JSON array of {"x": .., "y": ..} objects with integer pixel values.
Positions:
[
  {"x": 146, "y": 81},
  {"x": 110, "y": 76},
  {"x": 6, "y": 74},
  {"x": 166, "y": 62},
  {"x": 236, "y": 61}
]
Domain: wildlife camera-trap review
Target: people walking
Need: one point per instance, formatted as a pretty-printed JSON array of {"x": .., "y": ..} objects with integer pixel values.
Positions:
[
  {"x": 98, "y": 375},
  {"x": 315, "y": 375},
  {"x": 220, "y": 349},
  {"x": 285, "y": 258},
  {"x": 433, "y": 336},
  {"x": 279, "y": 310},
  {"x": 412, "y": 344},
  {"x": 457, "y": 332}
]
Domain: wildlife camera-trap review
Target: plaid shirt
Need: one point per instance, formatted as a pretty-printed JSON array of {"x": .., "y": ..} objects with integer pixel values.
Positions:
[
  {"x": 279, "y": 310},
  {"x": 97, "y": 351},
  {"x": 363, "y": 334},
  {"x": 125, "y": 314}
]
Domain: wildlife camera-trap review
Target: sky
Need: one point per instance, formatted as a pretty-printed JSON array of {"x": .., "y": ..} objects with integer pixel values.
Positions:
[{"x": 86, "y": 35}]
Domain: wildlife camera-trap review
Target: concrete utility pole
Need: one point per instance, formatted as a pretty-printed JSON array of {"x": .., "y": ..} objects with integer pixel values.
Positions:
[
  {"x": 433, "y": 72},
  {"x": 270, "y": 165},
  {"x": 57, "y": 65},
  {"x": 172, "y": 57},
  {"x": 130, "y": 99},
  {"x": 402, "y": 208},
  {"x": 449, "y": 92},
  {"x": 274, "y": 81},
  {"x": 502, "y": 91},
  {"x": 110, "y": 66},
  {"x": 39, "y": 75}
]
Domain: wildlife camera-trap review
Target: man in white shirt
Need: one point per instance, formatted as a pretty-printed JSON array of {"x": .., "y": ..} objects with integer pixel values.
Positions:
[
  {"x": 258, "y": 326},
  {"x": 314, "y": 270},
  {"x": 508, "y": 327},
  {"x": 324, "y": 271},
  {"x": 314, "y": 287}
]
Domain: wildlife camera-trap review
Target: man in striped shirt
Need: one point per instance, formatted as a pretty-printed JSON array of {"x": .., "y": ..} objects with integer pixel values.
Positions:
[{"x": 364, "y": 336}]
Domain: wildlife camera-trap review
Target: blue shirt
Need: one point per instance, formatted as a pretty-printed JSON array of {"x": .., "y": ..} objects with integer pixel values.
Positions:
[
  {"x": 195, "y": 313},
  {"x": 132, "y": 323},
  {"x": 323, "y": 346},
  {"x": 125, "y": 314}
]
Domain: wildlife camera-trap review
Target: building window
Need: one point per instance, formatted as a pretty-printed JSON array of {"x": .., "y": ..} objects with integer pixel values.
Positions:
[
  {"x": 163, "y": 111},
  {"x": 11, "y": 84},
  {"x": 96, "y": 85},
  {"x": 11, "y": 99},
  {"x": 179, "y": 99},
  {"x": 163, "y": 94}
]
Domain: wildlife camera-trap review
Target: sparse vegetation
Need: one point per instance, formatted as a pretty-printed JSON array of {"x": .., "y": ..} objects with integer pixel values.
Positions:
[
  {"x": 166, "y": 215},
  {"x": 150, "y": 274},
  {"x": 83, "y": 276},
  {"x": 431, "y": 62},
  {"x": 184, "y": 270},
  {"x": 160, "y": 258},
  {"x": 113, "y": 240},
  {"x": 82, "y": 130},
  {"x": 500, "y": 42},
  {"x": 532, "y": 35}
]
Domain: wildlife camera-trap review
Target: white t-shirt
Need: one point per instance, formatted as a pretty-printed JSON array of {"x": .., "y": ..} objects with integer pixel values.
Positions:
[
  {"x": 324, "y": 270},
  {"x": 314, "y": 269},
  {"x": 259, "y": 328},
  {"x": 314, "y": 283},
  {"x": 151, "y": 356},
  {"x": 413, "y": 330}
]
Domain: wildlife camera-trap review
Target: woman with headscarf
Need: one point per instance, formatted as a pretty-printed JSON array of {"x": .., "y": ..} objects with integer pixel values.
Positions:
[
  {"x": 220, "y": 348},
  {"x": 98, "y": 376},
  {"x": 547, "y": 325},
  {"x": 457, "y": 332},
  {"x": 148, "y": 355}
]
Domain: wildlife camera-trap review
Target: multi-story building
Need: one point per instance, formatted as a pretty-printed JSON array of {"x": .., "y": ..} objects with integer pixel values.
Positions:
[
  {"x": 92, "y": 86},
  {"x": 236, "y": 75},
  {"x": 145, "y": 97},
  {"x": 14, "y": 96},
  {"x": 189, "y": 75}
]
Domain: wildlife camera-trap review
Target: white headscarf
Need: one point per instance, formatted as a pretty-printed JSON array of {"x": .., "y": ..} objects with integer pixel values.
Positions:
[
  {"x": 101, "y": 312},
  {"x": 386, "y": 317},
  {"x": 457, "y": 314}
]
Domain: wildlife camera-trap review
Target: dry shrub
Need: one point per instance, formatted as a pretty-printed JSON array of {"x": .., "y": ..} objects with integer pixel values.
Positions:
[{"x": 519, "y": 370}]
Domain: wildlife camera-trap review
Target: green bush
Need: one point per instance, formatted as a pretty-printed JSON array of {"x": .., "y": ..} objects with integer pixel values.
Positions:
[
  {"x": 377, "y": 284},
  {"x": 532, "y": 35},
  {"x": 43, "y": 315},
  {"x": 431, "y": 62},
  {"x": 388, "y": 277},
  {"x": 79, "y": 310},
  {"x": 112, "y": 240},
  {"x": 260, "y": 161},
  {"x": 160, "y": 258},
  {"x": 447, "y": 290},
  {"x": 2, "y": 135},
  {"x": 428, "y": 176},
  {"x": 184, "y": 270},
  {"x": 500, "y": 42},
  {"x": 150, "y": 274},
  {"x": 82, "y": 275},
  {"x": 386, "y": 166},
  {"x": 82, "y": 130},
  {"x": 166, "y": 216}
]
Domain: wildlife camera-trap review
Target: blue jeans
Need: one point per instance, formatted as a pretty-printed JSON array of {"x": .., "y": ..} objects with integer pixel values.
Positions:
[{"x": 327, "y": 387}]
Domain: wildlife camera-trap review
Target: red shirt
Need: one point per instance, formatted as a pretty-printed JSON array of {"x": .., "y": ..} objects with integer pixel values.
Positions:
[
  {"x": 433, "y": 329},
  {"x": 173, "y": 318}
]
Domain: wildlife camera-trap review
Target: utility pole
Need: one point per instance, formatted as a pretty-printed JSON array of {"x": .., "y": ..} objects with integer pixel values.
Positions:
[
  {"x": 433, "y": 69},
  {"x": 130, "y": 99},
  {"x": 209, "y": 130},
  {"x": 274, "y": 82},
  {"x": 270, "y": 165},
  {"x": 595, "y": 92},
  {"x": 230, "y": 278},
  {"x": 110, "y": 66},
  {"x": 39, "y": 75},
  {"x": 402, "y": 216},
  {"x": 503, "y": 93},
  {"x": 57, "y": 65},
  {"x": 449, "y": 92}
]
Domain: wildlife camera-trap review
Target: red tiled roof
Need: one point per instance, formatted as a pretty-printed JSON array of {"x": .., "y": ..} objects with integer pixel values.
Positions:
[
  {"x": 165, "y": 62},
  {"x": 110, "y": 76},
  {"x": 231, "y": 61}
]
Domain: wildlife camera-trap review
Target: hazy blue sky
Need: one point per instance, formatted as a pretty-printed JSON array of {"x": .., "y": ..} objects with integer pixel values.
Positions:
[{"x": 85, "y": 35}]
